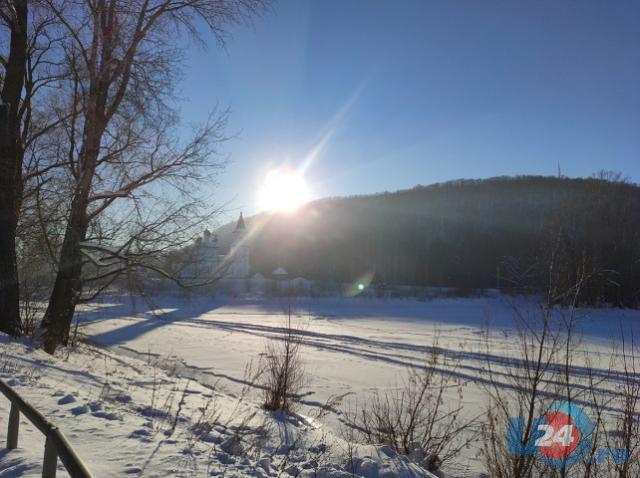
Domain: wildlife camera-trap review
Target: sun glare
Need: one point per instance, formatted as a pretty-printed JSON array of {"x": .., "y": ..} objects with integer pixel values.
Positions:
[{"x": 283, "y": 191}]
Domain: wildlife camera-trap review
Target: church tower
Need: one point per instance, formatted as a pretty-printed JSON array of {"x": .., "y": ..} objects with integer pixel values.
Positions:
[
  {"x": 209, "y": 255},
  {"x": 240, "y": 266}
]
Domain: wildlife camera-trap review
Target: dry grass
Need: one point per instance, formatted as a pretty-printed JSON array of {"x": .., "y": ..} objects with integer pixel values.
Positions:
[
  {"x": 283, "y": 374},
  {"x": 418, "y": 418}
]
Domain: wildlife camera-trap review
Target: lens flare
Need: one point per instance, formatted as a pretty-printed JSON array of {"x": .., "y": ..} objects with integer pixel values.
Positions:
[
  {"x": 358, "y": 286},
  {"x": 283, "y": 191}
]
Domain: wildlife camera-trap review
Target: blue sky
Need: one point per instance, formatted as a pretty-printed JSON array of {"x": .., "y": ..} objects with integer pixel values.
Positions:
[{"x": 399, "y": 93}]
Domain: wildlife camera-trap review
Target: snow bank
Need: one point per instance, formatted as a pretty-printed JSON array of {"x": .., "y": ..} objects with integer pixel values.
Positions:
[{"x": 135, "y": 417}]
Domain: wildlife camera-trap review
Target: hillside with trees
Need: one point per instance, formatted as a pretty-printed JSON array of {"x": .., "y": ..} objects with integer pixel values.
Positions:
[{"x": 515, "y": 233}]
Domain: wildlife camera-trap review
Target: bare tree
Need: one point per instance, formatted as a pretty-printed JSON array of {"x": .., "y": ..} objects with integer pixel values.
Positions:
[
  {"x": 14, "y": 16},
  {"x": 543, "y": 371},
  {"x": 629, "y": 420},
  {"x": 120, "y": 137},
  {"x": 618, "y": 414},
  {"x": 29, "y": 74},
  {"x": 522, "y": 387}
]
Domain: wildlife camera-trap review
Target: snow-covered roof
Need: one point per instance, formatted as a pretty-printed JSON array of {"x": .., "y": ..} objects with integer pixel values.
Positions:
[{"x": 280, "y": 271}]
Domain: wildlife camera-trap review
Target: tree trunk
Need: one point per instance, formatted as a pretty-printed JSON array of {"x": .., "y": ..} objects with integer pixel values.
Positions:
[
  {"x": 68, "y": 284},
  {"x": 11, "y": 154},
  {"x": 9, "y": 290},
  {"x": 67, "y": 288}
]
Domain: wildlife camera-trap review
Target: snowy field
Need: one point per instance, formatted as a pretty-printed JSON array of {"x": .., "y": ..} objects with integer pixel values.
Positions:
[
  {"x": 118, "y": 402},
  {"x": 351, "y": 346}
]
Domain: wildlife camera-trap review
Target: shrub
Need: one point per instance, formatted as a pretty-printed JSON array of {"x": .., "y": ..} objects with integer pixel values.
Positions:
[
  {"x": 284, "y": 374},
  {"x": 414, "y": 419}
]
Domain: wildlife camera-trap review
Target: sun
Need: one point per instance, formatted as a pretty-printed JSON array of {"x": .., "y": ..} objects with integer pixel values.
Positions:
[{"x": 283, "y": 191}]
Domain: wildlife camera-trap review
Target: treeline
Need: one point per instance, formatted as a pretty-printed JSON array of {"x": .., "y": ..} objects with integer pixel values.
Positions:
[
  {"x": 98, "y": 180},
  {"x": 518, "y": 234}
]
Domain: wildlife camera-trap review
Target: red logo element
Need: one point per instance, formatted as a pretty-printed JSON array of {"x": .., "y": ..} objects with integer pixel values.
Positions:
[{"x": 561, "y": 436}]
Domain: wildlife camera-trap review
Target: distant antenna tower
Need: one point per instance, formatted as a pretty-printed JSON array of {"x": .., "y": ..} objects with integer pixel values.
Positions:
[{"x": 559, "y": 170}]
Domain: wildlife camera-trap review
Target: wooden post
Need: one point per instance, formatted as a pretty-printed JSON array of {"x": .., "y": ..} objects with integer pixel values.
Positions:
[
  {"x": 14, "y": 425},
  {"x": 56, "y": 444},
  {"x": 50, "y": 463}
]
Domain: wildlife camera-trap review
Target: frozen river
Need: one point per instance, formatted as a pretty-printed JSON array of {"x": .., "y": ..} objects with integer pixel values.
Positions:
[{"x": 350, "y": 346}]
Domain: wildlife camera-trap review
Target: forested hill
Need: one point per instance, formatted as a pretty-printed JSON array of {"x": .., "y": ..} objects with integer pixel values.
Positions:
[{"x": 467, "y": 233}]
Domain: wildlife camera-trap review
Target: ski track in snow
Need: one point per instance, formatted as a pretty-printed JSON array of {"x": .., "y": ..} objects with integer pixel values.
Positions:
[
  {"x": 380, "y": 338},
  {"x": 350, "y": 348}
]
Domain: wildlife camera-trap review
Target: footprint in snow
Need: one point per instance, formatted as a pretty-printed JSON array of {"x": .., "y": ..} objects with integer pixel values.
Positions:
[
  {"x": 106, "y": 415},
  {"x": 122, "y": 398},
  {"x": 67, "y": 399},
  {"x": 141, "y": 433},
  {"x": 81, "y": 410},
  {"x": 94, "y": 407}
]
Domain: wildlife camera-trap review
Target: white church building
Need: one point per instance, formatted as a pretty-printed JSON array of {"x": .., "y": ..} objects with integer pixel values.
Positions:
[
  {"x": 207, "y": 262},
  {"x": 232, "y": 272}
]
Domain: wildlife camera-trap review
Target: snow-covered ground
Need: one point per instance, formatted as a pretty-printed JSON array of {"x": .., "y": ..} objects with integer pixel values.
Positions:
[
  {"x": 128, "y": 417},
  {"x": 118, "y": 402},
  {"x": 351, "y": 346}
]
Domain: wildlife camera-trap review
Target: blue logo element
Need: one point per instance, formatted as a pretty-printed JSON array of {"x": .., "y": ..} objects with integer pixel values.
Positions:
[{"x": 561, "y": 438}]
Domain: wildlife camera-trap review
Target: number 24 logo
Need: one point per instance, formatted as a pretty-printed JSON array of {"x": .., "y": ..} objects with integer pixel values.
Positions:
[{"x": 563, "y": 436}]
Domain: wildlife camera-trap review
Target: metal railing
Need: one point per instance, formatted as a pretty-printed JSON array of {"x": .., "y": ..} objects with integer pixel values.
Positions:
[{"x": 56, "y": 444}]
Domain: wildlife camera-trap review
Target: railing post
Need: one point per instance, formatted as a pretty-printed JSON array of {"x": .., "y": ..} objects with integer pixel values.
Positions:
[
  {"x": 50, "y": 464},
  {"x": 56, "y": 445},
  {"x": 14, "y": 425}
]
